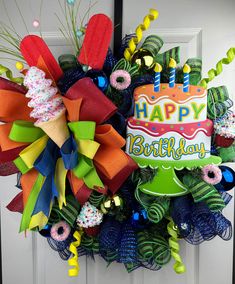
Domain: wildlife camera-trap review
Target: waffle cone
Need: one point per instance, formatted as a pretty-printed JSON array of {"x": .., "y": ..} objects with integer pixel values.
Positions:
[{"x": 56, "y": 129}]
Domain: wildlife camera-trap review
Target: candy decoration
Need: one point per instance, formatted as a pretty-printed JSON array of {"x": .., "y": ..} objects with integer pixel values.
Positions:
[
  {"x": 212, "y": 73},
  {"x": 19, "y": 66},
  {"x": 186, "y": 71},
  {"x": 225, "y": 130},
  {"x": 73, "y": 261},
  {"x": 211, "y": 174},
  {"x": 157, "y": 80},
  {"x": 96, "y": 41},
  {"x": 120, "y": 80},
  {"x": 153, "y": 15},
  {"x": 60, "y": 231},
  {"x": 175, "y": 248},
  {"x": 89, "y": 216},
  {"x": 228, "y": 179},
  {"x": 172, "y": 65}
]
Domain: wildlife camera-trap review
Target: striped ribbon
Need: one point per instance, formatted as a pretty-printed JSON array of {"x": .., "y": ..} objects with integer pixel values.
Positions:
[
  {"x": 123, "y": 64},
  {"x": 90, "y": 243},
  {"x": 196, "y": 69},
  {"x": 158, "y": 209},
  {"x": 153, "y": 248},
  {"x": 96, "y": 198},
  {"x": 202, "y": 191},
  {"x": 218, "y": 102},
  {"x": 68, "y": 213},
  {"x": 153, "y": 44},
  {"x": 164, "y": 58}
]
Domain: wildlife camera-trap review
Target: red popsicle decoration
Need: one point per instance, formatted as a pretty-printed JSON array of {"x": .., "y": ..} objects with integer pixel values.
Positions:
[
  {"x": 96, "y": 42},
  {"x": 37, "y": 53}
]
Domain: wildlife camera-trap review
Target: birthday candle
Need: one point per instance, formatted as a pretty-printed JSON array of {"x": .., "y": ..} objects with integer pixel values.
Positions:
[
  {"x": 157, "y": 79},
  {"x": 172, "y": 65},
  {"x": 186, "y": 71}
]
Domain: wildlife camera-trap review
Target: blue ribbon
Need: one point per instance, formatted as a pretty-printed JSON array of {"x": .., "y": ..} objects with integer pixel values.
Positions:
[{"x": 69, "y": 153}]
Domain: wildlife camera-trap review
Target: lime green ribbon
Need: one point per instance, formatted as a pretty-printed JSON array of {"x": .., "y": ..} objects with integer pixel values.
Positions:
[
  {"x": 175, "y": 248},
  {"x": 153, "y": 248},
  {"x": 84, "y": 133},
  {"x": 29, "y": 207},
  {"x": 25, "y": 131},
  {"x": 9, "y": 75},
  {"x": 202, "y": 191}
]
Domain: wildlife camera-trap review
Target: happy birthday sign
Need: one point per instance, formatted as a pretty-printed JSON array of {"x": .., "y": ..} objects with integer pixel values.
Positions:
[
  {"x": 171, "y": 147},
  {"x": 170, "y": 111}
]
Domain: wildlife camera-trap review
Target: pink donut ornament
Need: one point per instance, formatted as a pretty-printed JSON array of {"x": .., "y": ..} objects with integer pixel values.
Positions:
[
  {"x": 211, "y": 174},
  {"x": 120, "y": 80},
  {"x": 60, "y": 231}
]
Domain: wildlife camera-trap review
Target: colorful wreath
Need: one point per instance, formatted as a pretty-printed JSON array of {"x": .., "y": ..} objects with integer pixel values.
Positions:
[{"x": 64, "y": 132}]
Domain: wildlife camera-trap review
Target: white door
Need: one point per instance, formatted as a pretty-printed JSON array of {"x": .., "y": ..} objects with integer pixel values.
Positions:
[{"x": 201, "y": 28}]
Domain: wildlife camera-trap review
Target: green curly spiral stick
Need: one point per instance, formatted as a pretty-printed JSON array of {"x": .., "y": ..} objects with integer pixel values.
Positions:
[
  {"x": 175, "y": 248},
  {"x": 8, "y": 73},
  {"x": 212, "y": 73}
]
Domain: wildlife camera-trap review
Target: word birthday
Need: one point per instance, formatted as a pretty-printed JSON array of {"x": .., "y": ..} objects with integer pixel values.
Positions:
[
  {"x": 157, "y": 112},
  {"x": 164, "y": 147}
]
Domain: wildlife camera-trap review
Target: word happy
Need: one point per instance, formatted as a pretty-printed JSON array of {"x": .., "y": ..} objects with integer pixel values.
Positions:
[
  {"x": 164, "y": 147},
  {"x": 160, "y": 113}
]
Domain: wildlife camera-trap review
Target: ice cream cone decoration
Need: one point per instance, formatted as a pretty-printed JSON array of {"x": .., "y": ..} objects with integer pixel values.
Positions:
[
  {"x": 56, "y": 128},
  {"x": 47, "y": 106}
]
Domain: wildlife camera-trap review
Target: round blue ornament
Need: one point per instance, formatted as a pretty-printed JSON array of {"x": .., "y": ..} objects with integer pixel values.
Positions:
[
  {"x": 46, "y": 231},
  {"x": 99, "y": 78},
  {"x": 228, "y": 179}
]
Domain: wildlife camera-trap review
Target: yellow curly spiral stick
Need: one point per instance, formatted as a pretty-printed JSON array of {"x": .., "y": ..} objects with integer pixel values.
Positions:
[
  {"x": 175, "y": 248},
  {"x": 153, "y": 15},
  {"x": 212, "y": 73},
  {"x": 73, "y": 261}
]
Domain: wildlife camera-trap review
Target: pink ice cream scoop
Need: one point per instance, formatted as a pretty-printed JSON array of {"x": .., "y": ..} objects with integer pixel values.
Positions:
[{"x": 48, "y": 107}]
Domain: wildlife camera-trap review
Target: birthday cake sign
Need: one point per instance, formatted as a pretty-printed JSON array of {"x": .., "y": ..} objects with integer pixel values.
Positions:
[{"x": 170, "y": 121}]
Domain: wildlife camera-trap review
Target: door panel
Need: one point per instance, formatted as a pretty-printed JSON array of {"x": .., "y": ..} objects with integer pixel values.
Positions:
[{"x": 31, "y": 259}]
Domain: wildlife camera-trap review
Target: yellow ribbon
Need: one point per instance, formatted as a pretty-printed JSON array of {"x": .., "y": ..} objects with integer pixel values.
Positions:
[
  {"x": 31, "y": 153},
  {"x": 153, "y": 15},
  {"x": 73, "y": 261}
]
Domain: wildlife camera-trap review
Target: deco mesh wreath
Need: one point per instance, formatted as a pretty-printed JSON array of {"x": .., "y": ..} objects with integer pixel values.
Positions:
[{"x": 65, "y": 130}]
